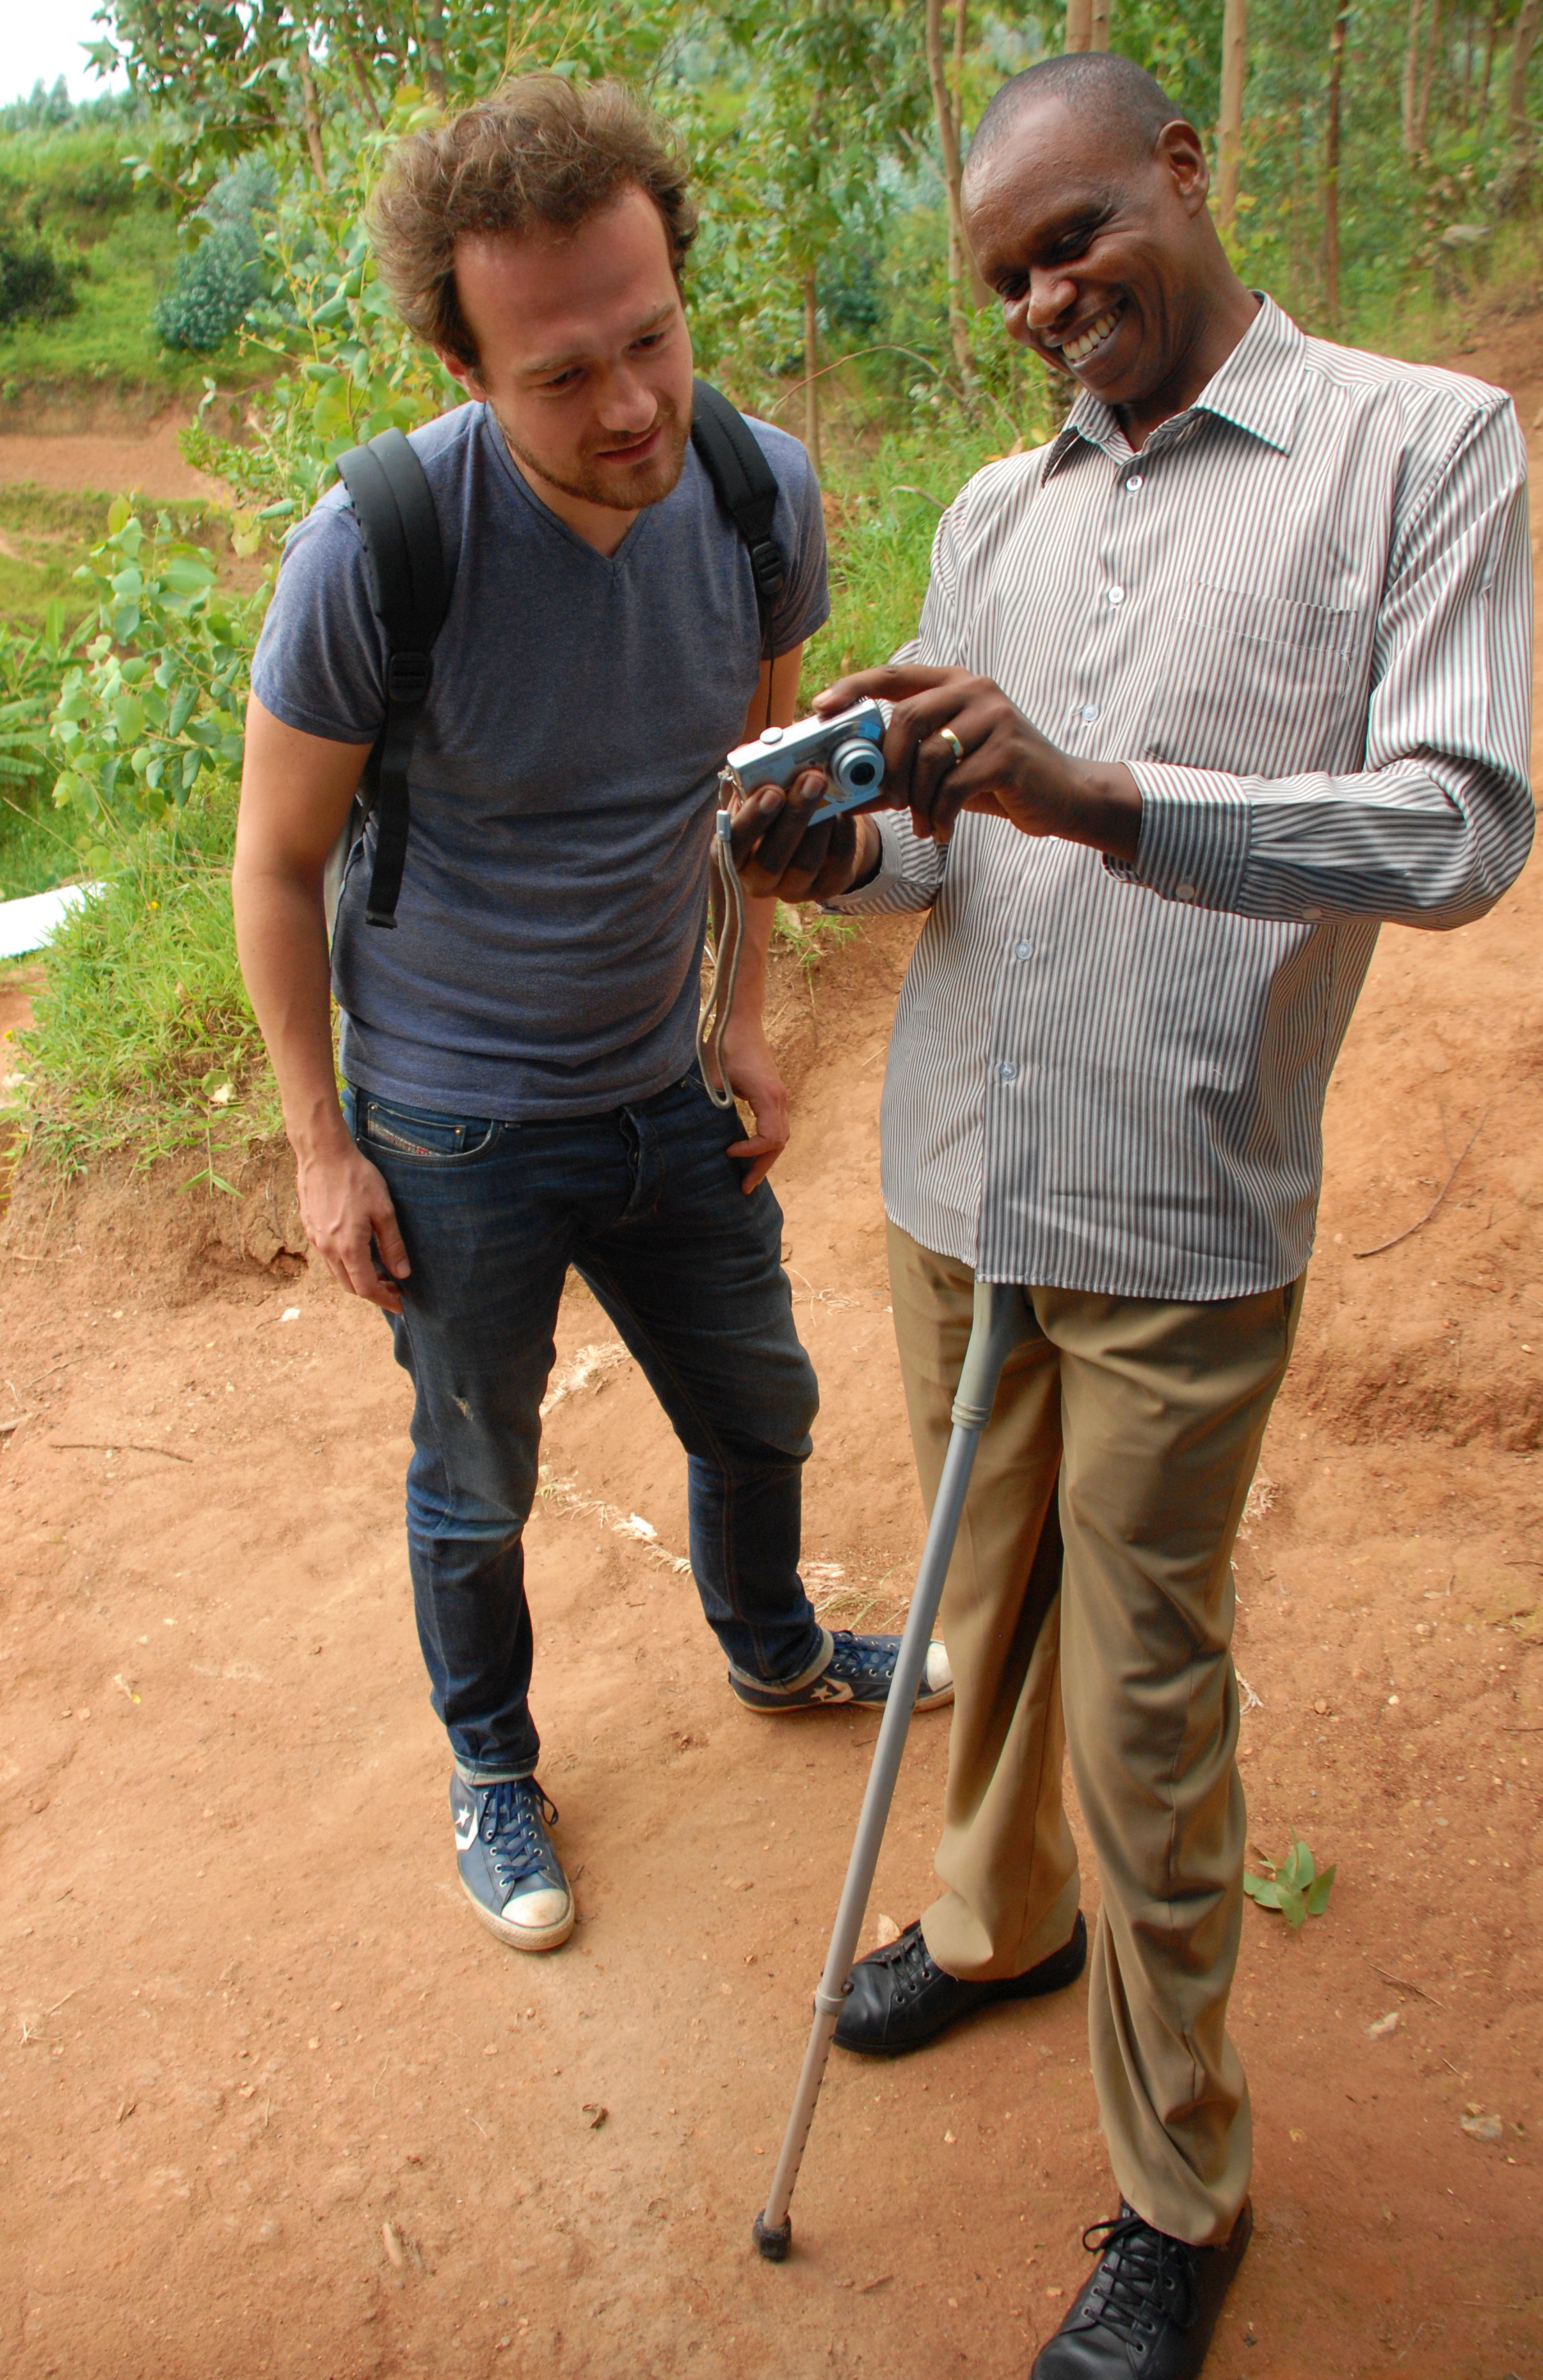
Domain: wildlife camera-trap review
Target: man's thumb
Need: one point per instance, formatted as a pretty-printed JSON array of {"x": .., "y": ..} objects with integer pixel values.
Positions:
[{"x": 388, "y": 1239}]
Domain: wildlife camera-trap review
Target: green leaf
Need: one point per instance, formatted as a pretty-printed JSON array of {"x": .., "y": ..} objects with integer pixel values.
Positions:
[
  {"x": 187, "y": 576},
  {"x": 1297, "y": 1869},
  {"x": 1264, "y": 1890},
  {"x": 1319, "y": 1892},
  {"x": 120, "y": 511},
  {"x": 128, "y": 718}
]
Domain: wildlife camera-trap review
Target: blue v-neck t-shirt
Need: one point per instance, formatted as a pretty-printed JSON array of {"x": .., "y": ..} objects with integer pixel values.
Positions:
[{"x": 546, "y": 954}]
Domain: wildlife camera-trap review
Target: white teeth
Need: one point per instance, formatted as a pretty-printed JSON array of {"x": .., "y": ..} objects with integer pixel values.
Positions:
[{"x": 1095, "y": 334}]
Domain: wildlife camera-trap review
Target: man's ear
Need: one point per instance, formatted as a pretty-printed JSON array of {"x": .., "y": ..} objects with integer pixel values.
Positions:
[
  {"x": 465, "y": 373},
  {"x": 1181, "y": 152}
]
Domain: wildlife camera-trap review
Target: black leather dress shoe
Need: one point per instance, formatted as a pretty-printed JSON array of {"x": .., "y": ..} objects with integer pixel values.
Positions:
[
  {"x": 1149, "y": 2310},
  {"x": 900, "y": 1998}
]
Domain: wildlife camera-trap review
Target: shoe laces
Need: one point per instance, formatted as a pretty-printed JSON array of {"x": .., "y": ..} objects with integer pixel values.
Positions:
[
  {"x": 1144, "y": 2278},
  {"x": 513, "y": 1828},
  {"x": 911, "y": 1960},
  {"x": 861, "y": 1657}
]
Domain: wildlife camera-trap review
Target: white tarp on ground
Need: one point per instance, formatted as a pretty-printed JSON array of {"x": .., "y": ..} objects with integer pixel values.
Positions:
[{"x": 27, "y": 925}]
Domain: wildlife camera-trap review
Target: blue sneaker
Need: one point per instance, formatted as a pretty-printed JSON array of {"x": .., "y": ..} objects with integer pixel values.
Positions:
[
  {"x": 859, "y": 1670},
  {"x": 510, "y": 1871}
]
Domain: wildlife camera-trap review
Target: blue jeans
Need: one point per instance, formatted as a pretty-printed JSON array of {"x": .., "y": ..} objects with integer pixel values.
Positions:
[{"x": 645, "y": 1205}]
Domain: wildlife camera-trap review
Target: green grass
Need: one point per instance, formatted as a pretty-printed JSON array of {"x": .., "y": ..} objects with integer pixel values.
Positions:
[
  {"x": 109, "y": 341},
  {"x": 143, "y": 1035}
]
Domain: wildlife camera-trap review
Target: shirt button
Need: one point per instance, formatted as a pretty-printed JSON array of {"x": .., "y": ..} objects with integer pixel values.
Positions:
[
  {"x": 1023, "y": 950},
  {"x": 1008, "y": 1072},
  {"x": 1116, "y": 595},
  {"x": 1089, "y": 711},
  {"x": 1312, "y": 915},
  {"x": 1134, "y": 484},
  {"x": 1184, "y": 891}
]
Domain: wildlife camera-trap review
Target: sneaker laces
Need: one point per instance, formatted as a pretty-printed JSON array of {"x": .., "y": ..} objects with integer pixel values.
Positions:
[
  {"x": 511, "y": 1829},
  {"x": 1142, "y": 2278},
  {"x": 860, "y": 1657}
]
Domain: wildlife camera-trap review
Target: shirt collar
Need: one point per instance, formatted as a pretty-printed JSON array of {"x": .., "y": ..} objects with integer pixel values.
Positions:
[{"x": 1258, "y": 389}]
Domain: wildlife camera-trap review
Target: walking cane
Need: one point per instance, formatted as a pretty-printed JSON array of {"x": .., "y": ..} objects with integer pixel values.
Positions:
[{"x": 1000, "y": 1320}]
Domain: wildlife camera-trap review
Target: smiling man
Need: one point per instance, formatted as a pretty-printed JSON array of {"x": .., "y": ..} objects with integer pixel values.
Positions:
[
  {"x": 1231, "y": 670},
  {"x": 521, "y": 1092}
]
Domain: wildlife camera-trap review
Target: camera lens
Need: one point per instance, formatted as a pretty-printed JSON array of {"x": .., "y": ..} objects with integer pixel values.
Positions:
[{"x": 858, "y": 767}]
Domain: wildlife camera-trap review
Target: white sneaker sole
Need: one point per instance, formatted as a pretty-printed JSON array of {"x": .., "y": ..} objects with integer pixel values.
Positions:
[{"x": 524, "y": 1937}]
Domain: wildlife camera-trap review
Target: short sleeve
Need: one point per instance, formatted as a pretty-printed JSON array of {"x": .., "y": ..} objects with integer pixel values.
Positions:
[{"x": 320, "y": 664}]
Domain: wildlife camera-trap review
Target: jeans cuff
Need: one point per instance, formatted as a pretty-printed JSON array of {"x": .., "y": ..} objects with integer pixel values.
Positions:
[
  {"x": 805, "y": 1677},
  {"x": 480, "y": 1773}
]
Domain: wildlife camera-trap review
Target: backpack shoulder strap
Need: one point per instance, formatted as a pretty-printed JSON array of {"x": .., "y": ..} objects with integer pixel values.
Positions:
[
  {"x": 747, "y": 487},
  {"x": 395, "y": 507}
]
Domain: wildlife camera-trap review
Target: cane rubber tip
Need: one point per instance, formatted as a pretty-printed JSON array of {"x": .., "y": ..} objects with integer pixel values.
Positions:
[{"x": 774, "y": 2240}]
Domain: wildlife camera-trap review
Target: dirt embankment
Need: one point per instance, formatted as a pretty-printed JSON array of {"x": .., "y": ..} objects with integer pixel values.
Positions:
[{"x": 271, "y": 2103}]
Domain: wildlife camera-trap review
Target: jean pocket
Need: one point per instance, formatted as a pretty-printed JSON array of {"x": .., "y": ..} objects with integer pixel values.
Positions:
[{"x": 413, "y": 1132}]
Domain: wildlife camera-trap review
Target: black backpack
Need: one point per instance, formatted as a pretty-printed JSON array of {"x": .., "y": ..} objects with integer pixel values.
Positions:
[{"x": 410, "y": 593}]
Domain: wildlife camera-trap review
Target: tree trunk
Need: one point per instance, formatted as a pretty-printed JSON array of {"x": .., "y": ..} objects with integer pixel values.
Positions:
[
  {"x": 361, "y": 76},
  {"x": 977, "y": 291},
  {"x": 1097, "y": 25},
  {"x": 1331, "y": 168},
  {"x": 1522, "y": 43},
  {"x": 312, "y": 119},
  {"x": 948, "y": 143},
  {"x": 1490, "y": 33},
  {"x": 1079, "y": 24},
  {"x": 811, "y": 368},
  {"x": 1410, "y": 81},
  {"x": 1428, "y": 78},
  {"x": 1229, "y": 122},
  {"x": 1466, "y": 79}
]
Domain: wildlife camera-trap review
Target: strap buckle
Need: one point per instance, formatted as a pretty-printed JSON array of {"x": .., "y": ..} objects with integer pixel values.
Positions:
[{"x": 408, "y": 677}]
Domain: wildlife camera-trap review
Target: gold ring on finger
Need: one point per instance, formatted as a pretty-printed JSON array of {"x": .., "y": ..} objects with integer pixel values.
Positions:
[{"x": 950, "y": 738}]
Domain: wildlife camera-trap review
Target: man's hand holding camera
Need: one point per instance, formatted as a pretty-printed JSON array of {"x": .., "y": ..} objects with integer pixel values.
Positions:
[{"x": 954, "y": 743}]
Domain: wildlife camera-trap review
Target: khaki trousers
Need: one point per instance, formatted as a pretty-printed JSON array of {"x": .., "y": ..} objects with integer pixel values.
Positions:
[{"x": 1152, "y": 1416}]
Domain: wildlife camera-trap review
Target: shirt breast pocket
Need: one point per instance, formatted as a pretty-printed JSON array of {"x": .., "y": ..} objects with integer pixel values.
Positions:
[{"x": 1258, "y": 685}]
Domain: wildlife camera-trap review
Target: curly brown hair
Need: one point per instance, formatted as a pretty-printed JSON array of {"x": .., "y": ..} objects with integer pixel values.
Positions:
[{"x": 540, "y": 155}]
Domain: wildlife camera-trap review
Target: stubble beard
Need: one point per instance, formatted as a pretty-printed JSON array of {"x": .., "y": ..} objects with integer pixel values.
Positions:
[{"x": 619, "y": 487}]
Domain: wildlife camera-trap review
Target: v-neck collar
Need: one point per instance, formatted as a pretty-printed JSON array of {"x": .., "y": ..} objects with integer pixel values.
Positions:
[{"x": 543, "y": 512}]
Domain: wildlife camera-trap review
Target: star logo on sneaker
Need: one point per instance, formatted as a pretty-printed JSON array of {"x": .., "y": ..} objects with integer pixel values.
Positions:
[
  {"x": 466, "y": 1826},
  {"x": 831, "y": 1690}
]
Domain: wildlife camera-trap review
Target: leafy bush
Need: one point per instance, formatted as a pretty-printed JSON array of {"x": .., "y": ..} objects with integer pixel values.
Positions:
[
  {"x": 215, "y": 290},
  {"x": 36, "y": 284},
  {"x": 158, "y": 699},
  {"x": 144, "y": 1036},
  {"x": 33, "y": 854},
  {"x": 217, "y": 285}
]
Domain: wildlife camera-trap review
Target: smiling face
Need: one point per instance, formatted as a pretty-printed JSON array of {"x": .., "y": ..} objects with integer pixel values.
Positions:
[
  {"x": 1101, "y": 252},
  {"x": 583, "y": 355}
]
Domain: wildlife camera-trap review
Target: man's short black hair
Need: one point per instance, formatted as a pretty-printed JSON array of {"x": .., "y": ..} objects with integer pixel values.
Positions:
[{"x": 1122, "y": 98}]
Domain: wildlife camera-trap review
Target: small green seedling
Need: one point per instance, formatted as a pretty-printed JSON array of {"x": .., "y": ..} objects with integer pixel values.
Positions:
[{"x": 1295, "y": 1887}]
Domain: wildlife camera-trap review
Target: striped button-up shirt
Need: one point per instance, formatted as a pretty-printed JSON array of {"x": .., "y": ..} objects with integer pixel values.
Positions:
[{"x": 1302, "y": 614}]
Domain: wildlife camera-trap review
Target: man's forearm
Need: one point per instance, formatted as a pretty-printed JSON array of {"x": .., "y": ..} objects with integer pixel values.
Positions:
[{"x": 282, "y": 936}]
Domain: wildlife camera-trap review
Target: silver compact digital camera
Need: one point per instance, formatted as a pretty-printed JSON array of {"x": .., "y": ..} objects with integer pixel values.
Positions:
[{"x": 845, "y": 745}]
